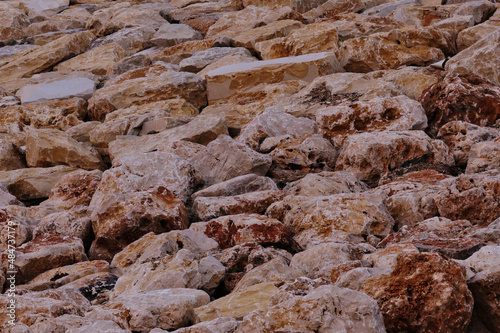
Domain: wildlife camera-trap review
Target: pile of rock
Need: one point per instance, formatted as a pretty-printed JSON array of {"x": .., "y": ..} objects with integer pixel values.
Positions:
[{"x": 226, "y": 166}]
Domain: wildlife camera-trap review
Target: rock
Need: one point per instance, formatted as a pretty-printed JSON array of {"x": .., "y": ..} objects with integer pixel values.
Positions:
[
  {"x": 339, "y": 217},
  {"x": 276, "y": 271},
  {"x": 334, "y": 7},
  {"x": 379, "y": 114},
  {"x": 480, "y": 10},
  {"x": 226, "y": 80},
  {"x": 33, "y": 183},
  {"x": 484, "y": 156},
  {"x": 37, "y": 60},
  {"x": 131, "y": 40},
  {"x": 207, "y": 208},
  {"x": 218, "y": 325},
  {"x": 293, "y": 159},
  {"x": 11, "y": 157},
  {"x": 370, "y": 155},
  {"x": 313, "y": 38},
  {"x": 270, "y": 31},
  {"x": 476, "y": 59},
  {"x": 75, "y": 324},
  {"x": 6, "y": 198},
  {"x": 403, "y": 295},
  {"x": 122, "y": 218},
  {"x": 470, "y": 36},
  {"x": 13, "y": 23},
  {"x": 470, "y": 197},
  {"x": 183, "y": 269},
  {"x": 237, "y": 304},
  {"x": 217, "y": 163},
  {"x": 406, "y": 46},
  {"x": 48, "y": 147},
  {"x": 325, "y": 183},
  {"x": 173, "y": 34},
  {"x": 99, "y": 60},
  {"x": 272, "y": 123},
  {"x": 46, "y": 304},
  {"x": 157, "y": 83},
  {"x": 340, "y": 310},
  {"x": 168, "y": 309},
  {"x": 355, "y": 278},
  {"x": 75, "y": 87},
  {"x": 58, "y": 114},
  {"x": 24, "y": 224},
  {"x": 460, "y": 137},
  {"x": 238, "y": 185},
  {"x": 233, "y": 230},
  {"x": 201, "y": 59},
  {"x": 45, "y": 7},
  {"x": 46, "y": 252},
  {"x": 467, "y": 98}
]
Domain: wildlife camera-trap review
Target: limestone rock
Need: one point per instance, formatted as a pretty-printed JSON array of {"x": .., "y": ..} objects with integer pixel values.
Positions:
[
  {"x": 218, "y": 325},
  {"x": 131, "y": 40},
  {"x": 477, "y": 99},
  {"x": 340, "y": 309},
  {"x": 270, "y": 31},
  {"x": 325, "y": 183},
  {"x": 46, "y": 252},
  {"x": 370, "y": 155},
  {"x": 461, "y": 136},
  {"x": 46, "y": 7},
  {"x": 11, "y": 157},
  {"x": 334, "y": 7},
  {"x": 156, "y": 83},
  {"x": 477, "y": 59},
  {"x": 207, "y": 208},
  {"x": 425, "y": 275},
  {"x": 122, "y": 218},
  {"x": 201, "y": 59},
  {"x": 37, "y": 60},
  {"x": 6, "y": 198},
  {"x": 273, "y": 123},
  {"x": 99, "y": 60},
  {"x": 475, "y": 33},
  {"x": 218, "y": 162},
  {"x": 75, "y": 87},
  {"x": 226, "y": 80},
  {"x": 172, "y": 34},
  {"x": 238, "y": 185},
  {"x": 237, "y": 304},
  {"x": 484, "y": 156},
  {"x": 168, "y": 309},
  {"x": 13, "y": 22},
  {"x": 33, "y": 183},
  {"x": 232, "y": 230}
]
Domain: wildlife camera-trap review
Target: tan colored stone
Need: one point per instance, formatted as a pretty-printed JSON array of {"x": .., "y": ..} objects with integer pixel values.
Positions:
[
  {"x": 33, "y": 183},
  {"x": 484, "y": 156},
  {"x": 218, "y": 325},
  {"x": 475, "y": 33},
  {"x": 334, "y": 7},
  {"x": 225, "y": 81},
  {"x": 227, "y": 60},
  {"x": 313, "y": 38},
  {"x": 270, "y": 31},
  {"x": 199, "y": 60},
  {"x": 13, "y": 22},
  {"x": 155, "y": 82},
  {"x": 37, "y": 60},
  {"x": 11, "y": 157},
  {"x": 238, "y": 185},
  {"x": 325, "y": 183},
  {"x": 173, "y": 34},
  {"x": 237, "y": 304},
  {"x": 99, "y": 60}
]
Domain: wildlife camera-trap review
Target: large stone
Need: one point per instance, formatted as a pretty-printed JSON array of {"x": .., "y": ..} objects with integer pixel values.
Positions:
[
  {"x": 168, "y": 309},
  {"x": 226, "y": 80},
  {"x": 325, "y": 183},
  {"x": 46, "y": 7},
  {"x": 269, "y": 31},
  {"x": 123, "y": 218},
  {"x": 75, "y": 87},
  {"x": 11, "y": 157},
  {"x": 33, "y": 183},
  {"x": 13, "y": 22},
  {"x": 460, "y": 137},
  {"x": 477, "y": 59},
  {"x": 173, "y": 34},
  {"x": 201, "y": 59},
  {"x": 218, "y": 325},
  {"x": 371, "y": 155},
  {"x": 233, "y": 230},
  {"x": 470, "y": 36},
  {"x": 237, "y": 304},
  {"x": 331, "y": 8},
  {"x": 238, "y": 185},
  {"x": 48, "y": 147},
  {"x": 46, "y": 252},
  {"x": 473, "y": 197},
  {"x": 37, "y": 60},
  {"x": 484, "y": 156},
  {"x": 6, "y": 198},
  {"x": 467, "y": 98},
  {"x": 132, "y": 40},
  {"x": 273, "y": 123},
  {"x": 156, "y": 82},
  {"x": 322, "y": 309},
  {"x": 225, "y": 158},
  {"x": 425, "y": 292}
]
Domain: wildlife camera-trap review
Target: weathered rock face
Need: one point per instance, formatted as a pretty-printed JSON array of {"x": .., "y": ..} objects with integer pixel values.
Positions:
[
  {"x": 371, "y": 155},
  {"x": 467, "y": 98},
  {"x": 201, "y": 59},
  {"x": 425, "y": 275},
  {"x": 13, "y": 23},
  {"x": 122, "y": 218},
  {"x": 82, "y": 87},
  {"x": 469, "y": 36},
  {"x": 238, "y": 185},
  {"x": 484, "y": 156},
  {"x": 11, "y": 157},
  {"x": 156, "y": 83},
  {"x": 100, "y": 60},
  {"x": 226, "y": 80},
  {"x": 325, "y": 183},
  {"x": 48, "y": 147}
]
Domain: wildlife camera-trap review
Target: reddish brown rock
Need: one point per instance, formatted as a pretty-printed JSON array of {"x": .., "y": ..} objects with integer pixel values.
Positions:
[
  {"x": 424, "y": 293},
  {"x": 474, "y": 197},
  {"x": 469, "y": 98},
  {"x": 232, "y": 230},
  {"x": 122, "y": 218}
]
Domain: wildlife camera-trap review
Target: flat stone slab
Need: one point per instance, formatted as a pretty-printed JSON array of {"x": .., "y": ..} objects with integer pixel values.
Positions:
[
  {"x": 82, "y": 87},
  {"x": 224, "y": 81}
]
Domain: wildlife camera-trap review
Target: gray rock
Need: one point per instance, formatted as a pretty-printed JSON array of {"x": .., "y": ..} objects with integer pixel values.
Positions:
[{"x": 82, "y": 87}]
